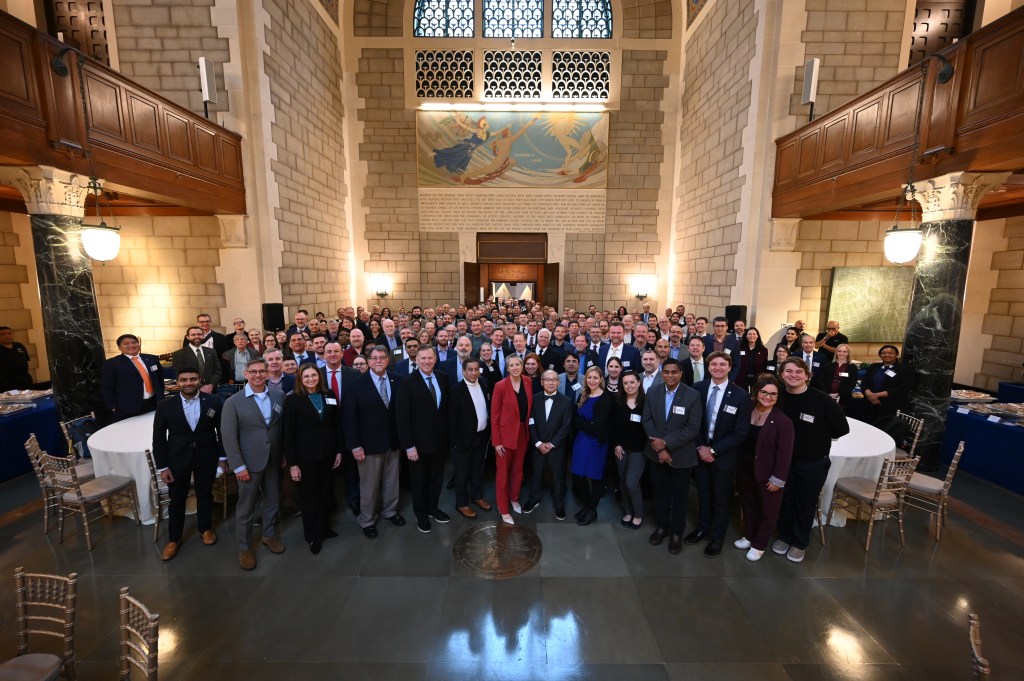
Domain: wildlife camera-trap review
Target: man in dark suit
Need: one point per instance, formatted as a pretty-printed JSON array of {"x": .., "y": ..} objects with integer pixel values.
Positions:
[
  {"x": 720, "y": 340},
  {"x": 586, "y": 356},
  {"x": 197, "y": 356},
  {"x": 405, "y": 367},
  {"x": 186, "y": 445},
  {"x": 816, "y": 360},
  {"x": 214, "y": 340},
  {"x": 131, "y": 383},
  {"x": 672, "y": 417},
  {"x": 694, "y": 368},
  {"x": 724, "y": 429},
  {"x": 617, "y": 347},
  {"x": 470, "y": 429},
  {"x": 337, "y": 377},
  {"x": 550, "y": 357},
  {"x": 301, "y": 323},
  {"x": 297, "y": 349},
  {"x": 550, "y": 425},
  {"x": 251, "y": 431},
  {"x": 421, "y": 418},
  {"x": 368, "y": 417},
  {"x": 456, "y": 360}
]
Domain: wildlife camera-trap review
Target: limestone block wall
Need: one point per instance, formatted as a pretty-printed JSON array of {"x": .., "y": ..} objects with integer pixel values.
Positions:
[
  {"x": 303, "y": 65},
  {"x": 164, "y": 275},
  {"x": 388, "y": 149},
  {"x": 713, "y": 113},
  {"x": 860, "y": 44},
  {"x": 14, "y": 312},
  {"x": 1005, "y": 317},
  {"x": 646, "y": 18},
  {"x": 378, "y": 18},
  {"x": 159, "y": 43},
  {"x": 439, "y": 268},
  {"x": 584, "y": 277},
  {"x": 635, "y": 154}
]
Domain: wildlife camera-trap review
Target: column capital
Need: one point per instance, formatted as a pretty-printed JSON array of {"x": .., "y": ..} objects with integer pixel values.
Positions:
[
  {"x": 955, "y": 196},
  {"x": 232, "y": 231},
  {"x": 784, "y": 233},
  {"x": 48, "y": 190}
]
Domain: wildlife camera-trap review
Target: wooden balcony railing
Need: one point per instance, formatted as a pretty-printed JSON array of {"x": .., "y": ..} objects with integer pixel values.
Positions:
[
  {"x": 141, "y": 143},
  {"x": 856, "y": 158}
]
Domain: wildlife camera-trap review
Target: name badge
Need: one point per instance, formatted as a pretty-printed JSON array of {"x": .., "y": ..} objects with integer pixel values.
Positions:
[
  {"x": 634, "y": 418},
  {"x": 890, "y": 373},
  {"x": 806, "y": 417},
  {"x": 625, "y": 364},
  {"x": 963, "y": 410},
  {"x": 770, "y": 367},
  {"x": 277, "y": 408},
  {"x": 551, "y": 367},
  {"x": 729, "y": 409},
  {"x": 532, "y": 422},
  {"x": 816, "y": 364},
  {"x": 211, "y": 412},
  {"x": 728, "y": 351},
  {"x": 152, "y": 367},
  {"x": 576, "y": 386},
  {"x": 743, "y": 353},
  {"x": 994, "y": 419},
  {"x": 332, "y": 401},
  {"x": 844, "y": 374},
  {"x": 679, "y": 410}
]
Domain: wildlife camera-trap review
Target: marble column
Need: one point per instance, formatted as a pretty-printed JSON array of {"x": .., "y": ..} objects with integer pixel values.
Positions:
[
  {"x": 949, "y": 205},
  {"x": 71, "y": 325}
]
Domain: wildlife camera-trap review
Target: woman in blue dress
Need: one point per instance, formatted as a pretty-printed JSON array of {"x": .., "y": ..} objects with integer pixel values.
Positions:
[
  {"x": 590, "y": 446},
  {"x": 456, "y": 159}
]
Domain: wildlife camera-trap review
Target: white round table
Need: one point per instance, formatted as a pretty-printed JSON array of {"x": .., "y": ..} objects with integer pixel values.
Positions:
[
  {"x": 120, "y": 449},
  {"x": 858, "y": 454}
]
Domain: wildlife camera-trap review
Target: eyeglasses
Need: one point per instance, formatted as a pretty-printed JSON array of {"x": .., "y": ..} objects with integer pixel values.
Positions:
[
  {"x": 765, "y": 393},
  {"x": 256, "y": 372}
]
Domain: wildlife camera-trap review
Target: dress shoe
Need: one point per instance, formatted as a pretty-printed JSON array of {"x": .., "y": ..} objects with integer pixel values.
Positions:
[
  {"x": 330, "y": 534},
  {"x": 627, "y": 520},
  {"x": 209, "y": 537},
  {"x": 560, "y": 513},
  {"x": 397, "y": 520},
  {"x": 507, "y": 519},
  {"x": 695, "y": 536},
  {"x": 170, "y": 551},
  {"x": 466, "y": 512},
  {"x": 675, "y": 544},
  {"x": 579, "y": 514},
  {"x": 713, "y": 548},
  {"x": 247, "y": 559},
  {"x": 274, "y": 544},
  {"x": 440, "y": 516},
  {"x": 516, "y": 507},
  {"x": 529, "y": 506},
  {"x": 482, "y": 504},
  {"x": 355, "y": 508},
  {"x": 588, "y": 517},
  {"x": 370, "y": 531},
  {"x": 315, "y": 546},
  {"x": 657, "y": 536},
  {"x": 637, "y": 522},
  {"x": 423, "y": 526}
]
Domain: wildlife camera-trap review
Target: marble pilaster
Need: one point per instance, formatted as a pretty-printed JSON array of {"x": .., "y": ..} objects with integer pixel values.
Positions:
[
  {"x": 949, "y": 206},
  {"x": 71, "y": 326}
]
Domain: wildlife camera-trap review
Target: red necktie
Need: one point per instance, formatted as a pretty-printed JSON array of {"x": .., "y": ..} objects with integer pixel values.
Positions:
[{"x": 334, "y": 384}]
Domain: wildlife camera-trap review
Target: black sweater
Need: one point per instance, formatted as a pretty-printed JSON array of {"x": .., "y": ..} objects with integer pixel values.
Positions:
[{"x": 817, "y": 420}]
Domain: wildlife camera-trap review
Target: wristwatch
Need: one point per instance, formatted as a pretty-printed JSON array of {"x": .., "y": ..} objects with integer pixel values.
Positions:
[{"x": 713, "y": 451}]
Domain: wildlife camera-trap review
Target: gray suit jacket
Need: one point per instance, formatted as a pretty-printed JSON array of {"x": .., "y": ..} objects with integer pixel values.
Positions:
[
  {"x": 682, "y": 427},
  {"x": 248, "y": 440}
]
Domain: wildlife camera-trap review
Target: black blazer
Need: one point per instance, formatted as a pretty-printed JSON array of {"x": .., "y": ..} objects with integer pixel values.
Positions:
[
  {"x": 174, "y": 442},
  {"x": 306, "y": 436},
  {"x": 365, "y": 420},
  {"x": 598, "y": 425},
  {"x": 823, "y": 381},
  {"x": 558, "y": 427},
  {"x": 898, "y": 387},
  {"x": 731, "y": 423},
  {"x": 419, "y": 421},
  {"x": 687, "y": 366},
  {"x": 121, "y": 384},
  {"x": 462, "y": 415},
  {"x": 220, "y": 342},
  {"x": 551, "y": 359}
]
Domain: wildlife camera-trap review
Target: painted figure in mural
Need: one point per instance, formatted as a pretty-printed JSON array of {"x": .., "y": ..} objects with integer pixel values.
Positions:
[
  {"x": 502, "y": 149},
  {"x": 583, "y": 153},
  {"x": 456, "y": 159}
]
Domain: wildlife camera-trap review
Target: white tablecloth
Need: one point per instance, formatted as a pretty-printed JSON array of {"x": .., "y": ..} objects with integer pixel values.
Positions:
[
  {"x": 858, "y": 454},
  {"x": 120, "y": 449}
]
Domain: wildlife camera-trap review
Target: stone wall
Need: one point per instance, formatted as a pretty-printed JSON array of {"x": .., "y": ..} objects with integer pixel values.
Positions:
[
  {"x": 646, "y": 18},
  {"x": 1005, "y": 317},
  {"x": 388, "y": 149},
  {"x": 164, "y": 275},
  {"x": 713, "y": 113},
  {"x": 440, "y": 267},
  {"x": 584, "y": 278},
  {"x": 159, "y": 45},
  {"x": 303, "y": 65},
  {"x": 378, "y": 18},
  {"x": 14, "y": 312},
  {"x": 635, "y": 154},
  {"x": 860, "y": 44}
]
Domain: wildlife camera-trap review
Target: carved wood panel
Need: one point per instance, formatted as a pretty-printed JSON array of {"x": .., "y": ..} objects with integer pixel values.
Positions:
[{"x": 82, "y": 25}]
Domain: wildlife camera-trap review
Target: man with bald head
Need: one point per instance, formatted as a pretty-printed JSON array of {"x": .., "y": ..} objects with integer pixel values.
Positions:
[{"x": 356, "y": 338}]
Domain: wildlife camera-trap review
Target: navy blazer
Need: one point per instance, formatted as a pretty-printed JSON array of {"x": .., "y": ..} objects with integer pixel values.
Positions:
[
  {"x": 819, "y": 361},
  {"x": 367, "y": 423},
  {"x": 551, "y": 359},
  {"x": 121, "y": 384},
  {"x": 731, "y": 423},
  {"x": 175, "y": 443},
  {"x": 732, "y": 348},
  {"x": 401, "y": 369},
  {"x": 420, "y": 422},
  {"x": 306, "y": 436}
]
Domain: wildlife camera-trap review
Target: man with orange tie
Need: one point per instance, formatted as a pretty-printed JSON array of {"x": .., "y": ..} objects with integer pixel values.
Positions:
[{"x": 131, "y": 383}]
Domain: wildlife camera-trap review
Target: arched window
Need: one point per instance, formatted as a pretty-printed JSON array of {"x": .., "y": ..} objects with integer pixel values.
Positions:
[
  {"x": 513, "y": 18},
  {"x": 581, "y": 19},
  {"x": 443, "y": 19}
]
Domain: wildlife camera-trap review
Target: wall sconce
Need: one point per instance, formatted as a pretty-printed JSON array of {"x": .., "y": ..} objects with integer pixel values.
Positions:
[
  {"x": 380, "y": 284},
  {"x": 643, "y": 285}
]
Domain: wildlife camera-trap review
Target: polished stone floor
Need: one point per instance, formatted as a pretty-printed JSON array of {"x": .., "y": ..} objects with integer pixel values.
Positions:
[{"x": 601, "y": 604}]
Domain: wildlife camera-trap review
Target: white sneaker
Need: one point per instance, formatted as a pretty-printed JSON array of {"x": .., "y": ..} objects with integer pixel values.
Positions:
[
  {"x": 794, "y": 554},
  {"x": 742, "y": 543},
  {"x": 516, "y": 507},
  {"x": 754, "y": 555},
  {"x": 507, "y": 519},
  {"x": 780, "y": 547}
]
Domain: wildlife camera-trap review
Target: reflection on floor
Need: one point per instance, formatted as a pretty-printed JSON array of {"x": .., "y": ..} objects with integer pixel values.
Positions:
[{"x": 601, "y": 604}]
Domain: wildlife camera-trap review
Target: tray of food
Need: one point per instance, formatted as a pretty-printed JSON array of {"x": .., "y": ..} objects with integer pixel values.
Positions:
[
  {"x": 23, "y": 396},
  {"x": 969, "y": 396},
  {"x": 6, "y": 409}
]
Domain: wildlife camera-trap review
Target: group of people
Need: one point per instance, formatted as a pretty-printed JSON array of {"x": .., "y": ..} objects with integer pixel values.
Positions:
[{"x": 601, "y": 397}]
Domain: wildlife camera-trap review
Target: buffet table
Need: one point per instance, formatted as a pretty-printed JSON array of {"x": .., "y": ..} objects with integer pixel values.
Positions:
[
  {"x": 858, "y": 454},
  {"x": 992, "y": 451},
  {"x": 15, "y": 429},
  {"x": 120, "y": 449}
]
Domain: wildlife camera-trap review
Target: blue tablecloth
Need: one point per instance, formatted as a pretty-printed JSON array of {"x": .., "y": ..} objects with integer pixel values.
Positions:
[
  {"x": 992, "y": 451},
  {"x": 15, "y": 429},
  {"x": 1011, "y": 392}
]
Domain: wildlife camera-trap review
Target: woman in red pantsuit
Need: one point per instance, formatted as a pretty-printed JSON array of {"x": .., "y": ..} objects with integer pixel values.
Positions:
[
  {"x": 511, "y": 402},
  {"x": 767, "y": 453}
]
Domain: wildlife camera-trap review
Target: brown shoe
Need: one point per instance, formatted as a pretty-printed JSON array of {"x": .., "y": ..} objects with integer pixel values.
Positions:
[
  {"x": 482, "y": 503},
  {"x": 466, "y": 512},
  {"x": 247, "y": 559},
  {"x": 209, "y": 537},
  {"x": 274, "y": 544},
  {"x": 170, "y": 551}
]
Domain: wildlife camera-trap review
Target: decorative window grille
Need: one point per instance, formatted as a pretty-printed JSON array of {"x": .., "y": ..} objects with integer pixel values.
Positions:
[
  {"x": 443, "y": 19},
  {"x": 513, "y": 18},
  {"x": 581, "y": 75},
  {"x": 512, "y": 74},
  {"x": 581, "y": 19},
  {"x": 446, "y": 74}
]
